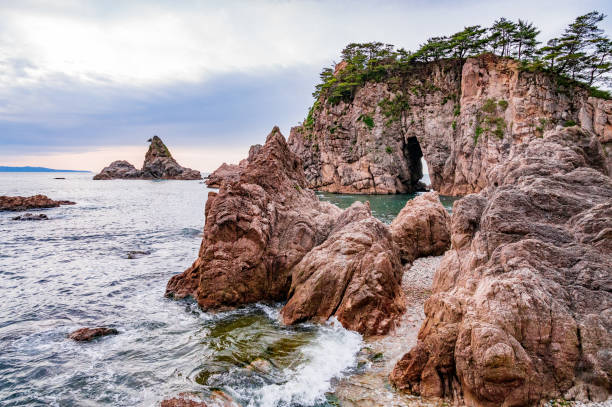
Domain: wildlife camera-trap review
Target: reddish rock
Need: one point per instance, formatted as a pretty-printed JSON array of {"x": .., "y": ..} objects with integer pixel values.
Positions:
[
  {"x": 355, "y": 275},
  {"x": 87, "y": 334},
  {"x": 445, "y": 103},
  {"x": 22, "y": 203},
  {"x": 422, "y": 228},
  {"x": 119, "y": 169},
  {"x": 256, "y": 230},
  {"x": 230, "y": 172},
  {"x": 520, "y": 310},
  {"x": 158, "y": 164},
  {"x": 182, "y": 402}
]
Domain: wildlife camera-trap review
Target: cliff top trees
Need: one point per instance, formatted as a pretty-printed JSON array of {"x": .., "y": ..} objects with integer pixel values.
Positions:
[{"x": 583, "y": 53}]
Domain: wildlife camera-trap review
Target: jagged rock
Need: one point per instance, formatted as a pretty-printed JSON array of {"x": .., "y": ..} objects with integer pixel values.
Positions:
[
  {"x": 230, "y": 172},
  {"x": 355, "y": 275},
  {"x": 158, "y": 164},
  {"x": 30, "y": 216},
  {"x": 119, "y": 169},
  {"x": 422, "y": 228},
  {"x": 266, "y": 236},
  {"x": 257, "y": 229},
  {"x": 463, "y": 117},
  {"x": 22, "y": 203},
  {"x": 521, "y": 304},
  {"x": 88, "y": 334}
]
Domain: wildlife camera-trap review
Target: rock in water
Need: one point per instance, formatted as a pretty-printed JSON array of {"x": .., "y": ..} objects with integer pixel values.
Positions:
[
  {"x": 355, "y": 275},
  {"x": 158, "y": 164},
  {"x": 521, "y": 309},
  {"x": 266, "y": 236},
  {"x": 30, "y": 216},
  {"x": 22, "y": 203},
  {"x": 119, "y": 169},
  {"x": 87, "y": 334},
  {"x": 422, "y": 228},
  {"x": 256, "y": 230}
]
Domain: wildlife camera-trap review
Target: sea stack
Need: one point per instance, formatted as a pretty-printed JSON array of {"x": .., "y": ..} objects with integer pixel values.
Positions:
[{"x": 158, "y": 164}]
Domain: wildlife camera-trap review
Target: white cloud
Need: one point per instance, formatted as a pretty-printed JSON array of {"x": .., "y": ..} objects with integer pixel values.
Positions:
[{"x": 142, "y": 42}]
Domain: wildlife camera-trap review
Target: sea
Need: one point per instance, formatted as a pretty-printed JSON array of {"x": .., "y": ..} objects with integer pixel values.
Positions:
[{"x": 105, "y": 262}]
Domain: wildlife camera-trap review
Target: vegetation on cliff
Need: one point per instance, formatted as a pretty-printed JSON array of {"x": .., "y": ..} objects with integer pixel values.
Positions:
[{"x": 582, "y": 55}]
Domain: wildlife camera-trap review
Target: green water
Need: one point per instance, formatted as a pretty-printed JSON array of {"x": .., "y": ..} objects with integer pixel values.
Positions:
[{"x": 384, "y": 207}]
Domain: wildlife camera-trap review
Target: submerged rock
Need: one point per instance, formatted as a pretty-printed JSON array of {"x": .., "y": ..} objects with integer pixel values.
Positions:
[
  {"x": 30, "y": 216},
  {"x": 183, "y": 401},
  {"x": 521, "y": 304},
  {"x": 22, "y": 203},
  {"x": 355, "y": 275},
  {"x": 87, "y": 334},
  {"x": 158, "y": 164},
  {"x": 422, "y": 228},
  {"x": 135, "y": 254}
]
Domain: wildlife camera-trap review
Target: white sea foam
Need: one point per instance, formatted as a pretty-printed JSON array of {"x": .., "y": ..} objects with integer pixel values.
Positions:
[{"x": 329, "y": 356}]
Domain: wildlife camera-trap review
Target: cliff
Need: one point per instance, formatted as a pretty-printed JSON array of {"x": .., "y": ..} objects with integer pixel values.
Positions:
[
  {"x": 463, "y": 117},
  {"x": 158, "y": 164}
]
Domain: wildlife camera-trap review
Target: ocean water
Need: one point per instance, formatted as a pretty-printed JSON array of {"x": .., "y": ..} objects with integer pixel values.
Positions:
[{"x": 73, "y": 271}]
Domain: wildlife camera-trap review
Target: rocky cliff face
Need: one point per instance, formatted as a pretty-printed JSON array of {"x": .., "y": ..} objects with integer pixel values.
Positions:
[
  {"x": 463, "y": 118},
  {"x": 521, "y": 304},
  {"x": 158, "y": 164}
]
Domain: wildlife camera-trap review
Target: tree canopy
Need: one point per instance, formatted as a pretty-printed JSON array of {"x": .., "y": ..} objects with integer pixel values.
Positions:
[{"x": 583, "y": 53}]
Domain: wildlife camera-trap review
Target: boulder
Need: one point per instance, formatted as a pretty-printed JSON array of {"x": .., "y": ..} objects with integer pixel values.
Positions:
[
  {"x": 422, "y": 228},
  {"x": 119, "y": 169},
  {"x": 355, "y": 275},
  {"x": 256, "y": 230},
  {"x": 22, "y": 203},
  {"x": 30, "y": 216},
  {"x": 521, "y": 303},
  {"x": 87, "y": 334},
  {"x": 158, "y": 164}
]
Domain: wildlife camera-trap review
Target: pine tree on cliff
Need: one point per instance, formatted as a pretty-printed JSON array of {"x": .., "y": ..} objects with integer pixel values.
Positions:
[
  {"x": 525, "y": 44},
  {"x": 583, "y": 52}
]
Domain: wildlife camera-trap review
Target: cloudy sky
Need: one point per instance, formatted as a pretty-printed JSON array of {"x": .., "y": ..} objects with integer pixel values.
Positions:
[{"x": 83, "y": 83}]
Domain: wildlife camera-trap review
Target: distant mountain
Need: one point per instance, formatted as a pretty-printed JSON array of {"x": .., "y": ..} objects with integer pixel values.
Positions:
[{"x": 33, "y": 169}]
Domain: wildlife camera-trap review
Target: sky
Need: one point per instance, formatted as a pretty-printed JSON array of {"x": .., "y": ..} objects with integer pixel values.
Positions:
[{"x": 84, "y": 83}]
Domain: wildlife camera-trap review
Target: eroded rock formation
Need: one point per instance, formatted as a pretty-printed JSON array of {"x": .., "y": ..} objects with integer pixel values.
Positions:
[
  {"x": 260, "y": 228},
  {"x": 521, "y": 309},
  {"x": 158, "y": 164},
  {"x": 355, "y": 275},
  {"x": 464, "y": 118},
  {"x": 22, "y": 203},
  {"x": 422, "y": 228},
  {"x": 230, "y": 172}
]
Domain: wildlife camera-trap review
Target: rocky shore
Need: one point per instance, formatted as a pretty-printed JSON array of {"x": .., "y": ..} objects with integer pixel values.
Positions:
[
  {"x": 158, "y": 164},
  {"x": 519, "y": 305}
]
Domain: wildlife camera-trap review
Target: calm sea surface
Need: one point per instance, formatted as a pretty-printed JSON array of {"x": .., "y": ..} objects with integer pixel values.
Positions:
[{"x": 73, "y": 271}]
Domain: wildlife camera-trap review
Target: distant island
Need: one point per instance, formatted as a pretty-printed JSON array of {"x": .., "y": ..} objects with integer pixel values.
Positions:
[{"x": 33, "y": 169}]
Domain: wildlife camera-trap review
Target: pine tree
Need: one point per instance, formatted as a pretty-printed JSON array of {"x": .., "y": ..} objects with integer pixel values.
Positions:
[
  {"x": 524, "y": 41},
  {"x": 502, "y": 34}
]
